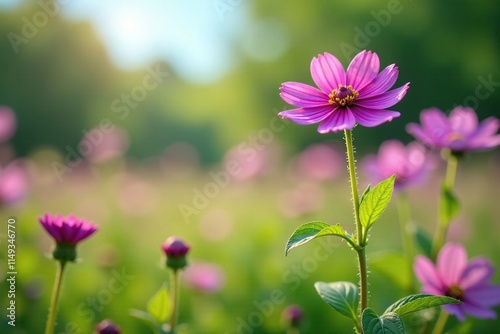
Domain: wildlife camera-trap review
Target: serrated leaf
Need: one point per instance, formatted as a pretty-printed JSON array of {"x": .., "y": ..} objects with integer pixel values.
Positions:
[
  {"x": 159, "y": 305},
  {"x": 342, "y": 296},
  {"x": 449, "y": 204},
  {"x": 367, "y": 190},
  {"x": 390, "y": 323},
  {"x": 419, "y": 302},
  {"x": 312, "y": 230},
  {"x": 375, "y": 202}
]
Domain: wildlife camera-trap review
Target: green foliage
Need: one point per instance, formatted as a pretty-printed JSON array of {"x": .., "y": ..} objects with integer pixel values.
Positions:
[
  {"x": 309, "y": 231},
  {"x": 423, "y": 241},
  {"x": 388, "y": 323},
  {"x": 342, "y": 296},
  {"x": 418, "y": 302},
  {"x": 384, "y": 262},
  {"x": 159, "y": 305},
  {"x": 375, "y": 202}
]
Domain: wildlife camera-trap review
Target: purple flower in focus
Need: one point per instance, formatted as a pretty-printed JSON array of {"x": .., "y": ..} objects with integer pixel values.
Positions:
[
  {"x": 467, "y": 281},
  {"x": 67, "y": 230},
  {"x": 7, "y": 123},
  {"x": 344, "y": 98},
  {"x": 204, "y": 277},
  {"x": 459, "y": 133},
  {"x": 409, "y": 163}
]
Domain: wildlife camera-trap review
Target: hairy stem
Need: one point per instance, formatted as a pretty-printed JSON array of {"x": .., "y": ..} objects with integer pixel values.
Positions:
[{"x": 363, "y": 274}]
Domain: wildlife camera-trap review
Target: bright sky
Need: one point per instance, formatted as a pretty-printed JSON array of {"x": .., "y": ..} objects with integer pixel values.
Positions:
[{"x": 194, "y": 36}]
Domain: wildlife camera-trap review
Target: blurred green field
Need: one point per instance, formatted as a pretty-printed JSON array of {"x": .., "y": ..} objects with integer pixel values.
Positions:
[{"x": 243, "y": 229}]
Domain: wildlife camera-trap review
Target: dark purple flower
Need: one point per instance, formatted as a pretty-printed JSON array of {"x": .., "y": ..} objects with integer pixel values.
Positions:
[
  {"x": 67, "y": 230},
  {"x": 176, "y": 251},
  {"x": 459, "y": 133},
  {"x": 344, "y": 98},
  {"x": 107, "y": 327},
  {"x": 467, "y": 281},
  {"x": 409, "y": 163},
  {"x": 293, "y": 315}
]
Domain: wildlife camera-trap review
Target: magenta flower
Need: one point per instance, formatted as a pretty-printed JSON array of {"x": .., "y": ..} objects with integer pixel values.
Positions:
[
  {"x": 460, "y": 132},
  {"x": 293, "y": 315},
  {"x": 409, "y": 163},
  {"x": 344, "y": 98},
  {"x": 467, "y": 281},
  {"x": 67, "y": 230}
]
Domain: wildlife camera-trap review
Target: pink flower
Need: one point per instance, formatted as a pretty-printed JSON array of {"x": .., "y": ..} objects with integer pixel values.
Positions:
[
  {"x": 100, "y": 146},
  {"x": 13, "y": 184},
  {"x": 344, "y": 98},
  {"x": 175, "y": 249},
  {"x": 7, "y": 123},
  {"x": 107, "y": 327},
  {"x": 204, "y": 277},
  {"x": 467, "y": 281},
  {"x": 409, "y": 163},
  {"x": 67, "y": 230},
  {"x": 320, "y": 162},
  {"x": 459, "y": 133}
]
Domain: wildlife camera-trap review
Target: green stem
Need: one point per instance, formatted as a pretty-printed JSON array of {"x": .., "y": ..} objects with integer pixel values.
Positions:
[
  {"x": 440, "y": 323},
  {"x": 407, "y": 237},
  {"x": 51, "y": 320},
  {"x": 174, "y": 292},
  {"x": 363, "y": 274},
  {"x": 443, "y": 221}
]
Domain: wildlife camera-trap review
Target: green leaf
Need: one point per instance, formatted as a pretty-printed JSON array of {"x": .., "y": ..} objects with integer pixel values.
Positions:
[
  {"x": 312, "y": 230},
  {"x": 424, "y": 241},
  {"x": 389, "y": 323},
  {"x": 146, "y": 317},
  {"x": 449, "y": 204},
  {"x": 375, "y": 202},
  {"x": 342, "y": 296},
  {"x": 159, "y": 305},
  {"x": 419, "y": 302},
  {"x": 367, "y": 190}
]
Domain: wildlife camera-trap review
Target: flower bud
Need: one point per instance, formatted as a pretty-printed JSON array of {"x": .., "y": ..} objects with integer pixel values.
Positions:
[
  {"x": 176, "y": 251},
  {"x": 107, "y": 327},
  {"x": 293, "y": 315}
]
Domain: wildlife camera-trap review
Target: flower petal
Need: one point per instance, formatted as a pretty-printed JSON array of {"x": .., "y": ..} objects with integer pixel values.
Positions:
[
  {"x": 451, "y": 263},
  {"x": 362, "y": 69},
  {"x": 384, "y": 100},
  {"x": 457, "y": 310},
  {"x": 487, "y": 295},
  {"x": 479, "y": 311},
  {"x": 340, "y": 119},
  {"x": 372, "y": 117},
  {"x": 434, "y": 130},
  {"x": 484, "y": 136},
  {"x": 478, "y": 272},
  {"x": 427, "y": 274},
  {"x": 463, "y": 120},
  {"x": 307, "y": 115},
  {"x": 302, "y": 95},
  {"x": 382, "y": 82},
  {"x": 327, "y": 72}
]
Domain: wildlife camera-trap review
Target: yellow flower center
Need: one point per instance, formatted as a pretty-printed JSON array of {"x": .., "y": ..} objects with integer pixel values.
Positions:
[
  {"x": 343, "y": 96},
  {"x": 455, "y": 291}
]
